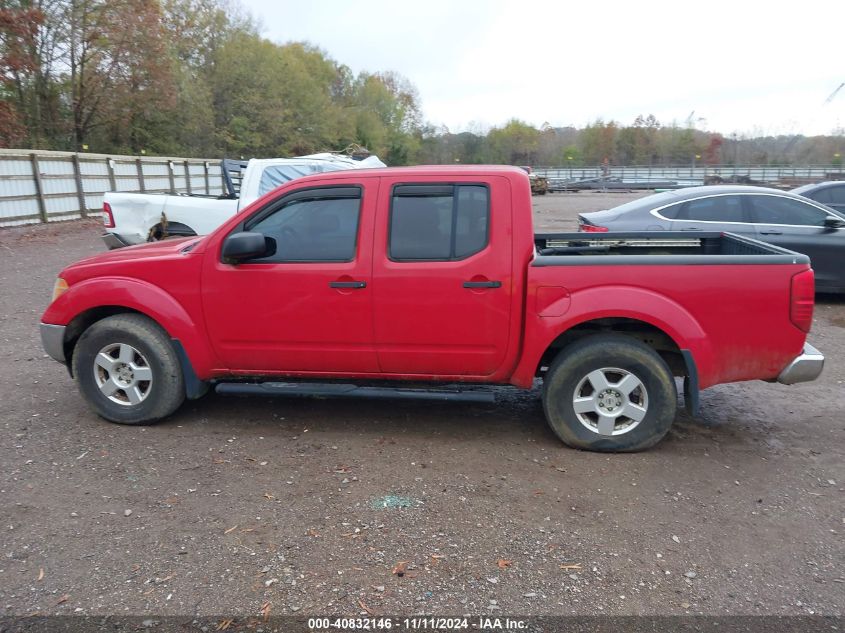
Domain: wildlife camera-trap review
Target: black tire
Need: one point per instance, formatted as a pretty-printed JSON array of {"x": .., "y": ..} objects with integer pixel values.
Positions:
[
  {"x": 570, "y": 372},
  {"x": 152, "y": 353},
  {"x": 173, "y": 231}
]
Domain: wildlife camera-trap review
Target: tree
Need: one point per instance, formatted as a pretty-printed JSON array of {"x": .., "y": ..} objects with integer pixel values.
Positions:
[
  {"x": 514, "y": 144},
  {"x": 385, "y": 110},
  {"x": 116, "y": 64},
  {"x": 712, "y": 155},
  {"x": 19, "y": 24},
  {"x": 598, "y": 141}
]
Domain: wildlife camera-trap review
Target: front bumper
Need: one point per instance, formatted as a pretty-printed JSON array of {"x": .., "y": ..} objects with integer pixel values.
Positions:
[
  {"x": 804, "y": 368},
  {"x": 53, "y": 341}
]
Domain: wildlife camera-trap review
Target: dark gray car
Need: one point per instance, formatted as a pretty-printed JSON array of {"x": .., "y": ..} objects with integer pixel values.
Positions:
[
  {"x": 830, "y": 193},
  {"x": 778, "y": 217}
]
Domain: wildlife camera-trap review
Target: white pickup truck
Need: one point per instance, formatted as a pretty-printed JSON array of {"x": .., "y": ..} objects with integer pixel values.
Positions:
[{"x": 133, "y": 218}]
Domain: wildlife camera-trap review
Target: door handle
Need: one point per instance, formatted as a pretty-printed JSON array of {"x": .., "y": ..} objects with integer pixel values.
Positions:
[
  {"x": 691, "y": 229},
  {"x": 771, "y": 232},
  {"x": 482, "y": 284},
  {"x": 348, "y": 284}
]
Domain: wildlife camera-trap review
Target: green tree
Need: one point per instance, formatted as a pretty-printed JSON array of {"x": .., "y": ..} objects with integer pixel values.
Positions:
[
  {"x": 597, "y": 142},
  {"x": 514, "y": 144}
]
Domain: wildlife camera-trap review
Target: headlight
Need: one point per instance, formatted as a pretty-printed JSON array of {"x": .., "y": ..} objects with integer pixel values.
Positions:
[{"x": 59, "y": 288}]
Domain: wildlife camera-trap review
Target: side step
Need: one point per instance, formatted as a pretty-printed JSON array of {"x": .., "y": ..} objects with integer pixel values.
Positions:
[{"x": 345, "y": 390}]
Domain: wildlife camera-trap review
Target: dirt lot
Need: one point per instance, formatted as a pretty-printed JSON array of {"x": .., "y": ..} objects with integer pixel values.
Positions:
[{"x": 234, "y": 503}]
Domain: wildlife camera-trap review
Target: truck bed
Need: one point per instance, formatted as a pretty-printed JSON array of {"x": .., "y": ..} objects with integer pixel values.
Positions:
[{"x": 657, "y": 247}]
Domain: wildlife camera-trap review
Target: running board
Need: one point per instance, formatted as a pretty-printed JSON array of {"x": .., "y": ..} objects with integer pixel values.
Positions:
[{"x": 345, "y": 390}]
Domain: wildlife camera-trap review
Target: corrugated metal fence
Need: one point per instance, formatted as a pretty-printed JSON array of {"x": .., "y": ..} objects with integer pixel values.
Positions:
[
  {"x": 39, "y": 186},
  {"x": 697, "y": 174}
]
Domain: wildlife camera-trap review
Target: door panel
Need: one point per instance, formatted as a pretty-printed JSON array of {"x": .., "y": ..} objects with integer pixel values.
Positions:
[
  {"x": 449, "y": 314},
  {"x": 312, "y": 314},
  {"x": 798, "y": 226}
]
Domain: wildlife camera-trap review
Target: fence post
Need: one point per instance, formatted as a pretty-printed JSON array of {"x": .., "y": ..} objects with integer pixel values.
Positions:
[
  {"x": 188, "y": 177},
  {"x": 171, "y": 167},
  {"x": 139, "y": 166},
  {"x": 80, "y": 192},
  {"x": 207, "y": 183},
  {"x": 39, "y": 187},
  {"x": 110, "y": 169}
]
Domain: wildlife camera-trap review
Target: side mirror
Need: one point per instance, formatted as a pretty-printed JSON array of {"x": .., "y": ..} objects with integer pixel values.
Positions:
[
  {"x": 831, "y": 222},
  {"x": 239, "y": 247}
]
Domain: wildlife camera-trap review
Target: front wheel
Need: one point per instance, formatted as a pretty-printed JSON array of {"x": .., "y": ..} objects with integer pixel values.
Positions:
[
  {"x": 127, "y": 370},
  {"x": 609, "y": 393}
]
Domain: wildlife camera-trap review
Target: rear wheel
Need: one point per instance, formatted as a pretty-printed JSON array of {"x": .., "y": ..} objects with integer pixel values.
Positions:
[
  {"x": 168, "y": 231},
  {"x": 609, "y": 393},
  {"x": 127, "y": 370}
]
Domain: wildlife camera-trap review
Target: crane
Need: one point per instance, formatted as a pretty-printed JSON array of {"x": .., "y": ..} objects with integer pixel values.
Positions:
[
  {"x": 795, "y": 138},
  {"x": 834, "y": 93}
]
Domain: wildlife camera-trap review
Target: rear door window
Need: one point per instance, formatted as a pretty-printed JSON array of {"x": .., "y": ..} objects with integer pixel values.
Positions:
[
  {"x": 713, "y": 209},
  {"x": 671, "y": 212},
  {"x": 438, "y": 222},
  {"x": 783, "y": 210}
]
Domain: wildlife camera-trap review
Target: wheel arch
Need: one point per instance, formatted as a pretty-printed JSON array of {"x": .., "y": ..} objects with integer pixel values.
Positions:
[
  {"x": 81, "y": 306},
  {"x": 84, "y": 320},
  {"x": 164, "y": 229},
  {"x": 656, "y": 338},
  {"x": 639, "y": 312}
]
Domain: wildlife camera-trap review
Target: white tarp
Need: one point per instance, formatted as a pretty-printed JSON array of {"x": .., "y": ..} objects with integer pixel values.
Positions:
[{"x": 285, "y": 170}]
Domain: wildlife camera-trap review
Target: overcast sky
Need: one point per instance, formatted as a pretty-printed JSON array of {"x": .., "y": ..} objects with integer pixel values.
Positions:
[{"x": 742, "y": 67}]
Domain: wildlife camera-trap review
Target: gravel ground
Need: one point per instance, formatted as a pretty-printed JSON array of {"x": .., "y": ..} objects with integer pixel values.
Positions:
[{"x": 328, "y": 507}]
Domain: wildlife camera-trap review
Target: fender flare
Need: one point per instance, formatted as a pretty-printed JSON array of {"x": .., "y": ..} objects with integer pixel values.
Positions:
[
  {"x": 142, "y": 297},
  {"x": 618, "y": 301}
]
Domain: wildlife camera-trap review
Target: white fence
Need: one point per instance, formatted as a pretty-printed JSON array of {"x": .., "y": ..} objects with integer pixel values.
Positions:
[
  {"x": 39, "y": 186},
  {"x": 696, "y": 174}
]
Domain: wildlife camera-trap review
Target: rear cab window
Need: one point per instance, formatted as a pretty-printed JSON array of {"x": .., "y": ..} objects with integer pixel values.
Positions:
[{"x": 438, "y": 222}]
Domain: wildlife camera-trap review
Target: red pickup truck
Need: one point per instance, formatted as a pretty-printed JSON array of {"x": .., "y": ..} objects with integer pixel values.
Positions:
[{"x": 373, "y": 282}]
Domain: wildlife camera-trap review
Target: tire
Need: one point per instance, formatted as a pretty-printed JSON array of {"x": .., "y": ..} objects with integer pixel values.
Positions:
[
  {"x": 111, "y": 361},
  {"x": 173, "y": 231},
  {"x": 629, "y": 377}
]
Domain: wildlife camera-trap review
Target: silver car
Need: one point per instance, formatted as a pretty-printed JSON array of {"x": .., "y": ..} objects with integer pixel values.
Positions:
[{"x": 770, "y": 215}]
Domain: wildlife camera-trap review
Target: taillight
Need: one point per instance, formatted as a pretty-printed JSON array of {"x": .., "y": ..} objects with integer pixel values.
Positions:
[
  {"x": 592, "y": 228},
  {"x": 108, "y": 218},
  {"x": 802, "y": 297}
]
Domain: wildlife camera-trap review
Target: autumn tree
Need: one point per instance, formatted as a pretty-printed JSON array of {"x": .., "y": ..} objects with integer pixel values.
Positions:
[
  {"x": 637, "y": 144},
  {"x": 114, "y": 59},
  {"x": 19, "y": 25},
  {"x": 597, "y": 142}
]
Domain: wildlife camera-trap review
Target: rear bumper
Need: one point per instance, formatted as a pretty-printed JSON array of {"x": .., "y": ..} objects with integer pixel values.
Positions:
[
  {"x": 53, "y": 341},
  {"x": 113, "y": 240},
  {"x": 804, "y": 368}
]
